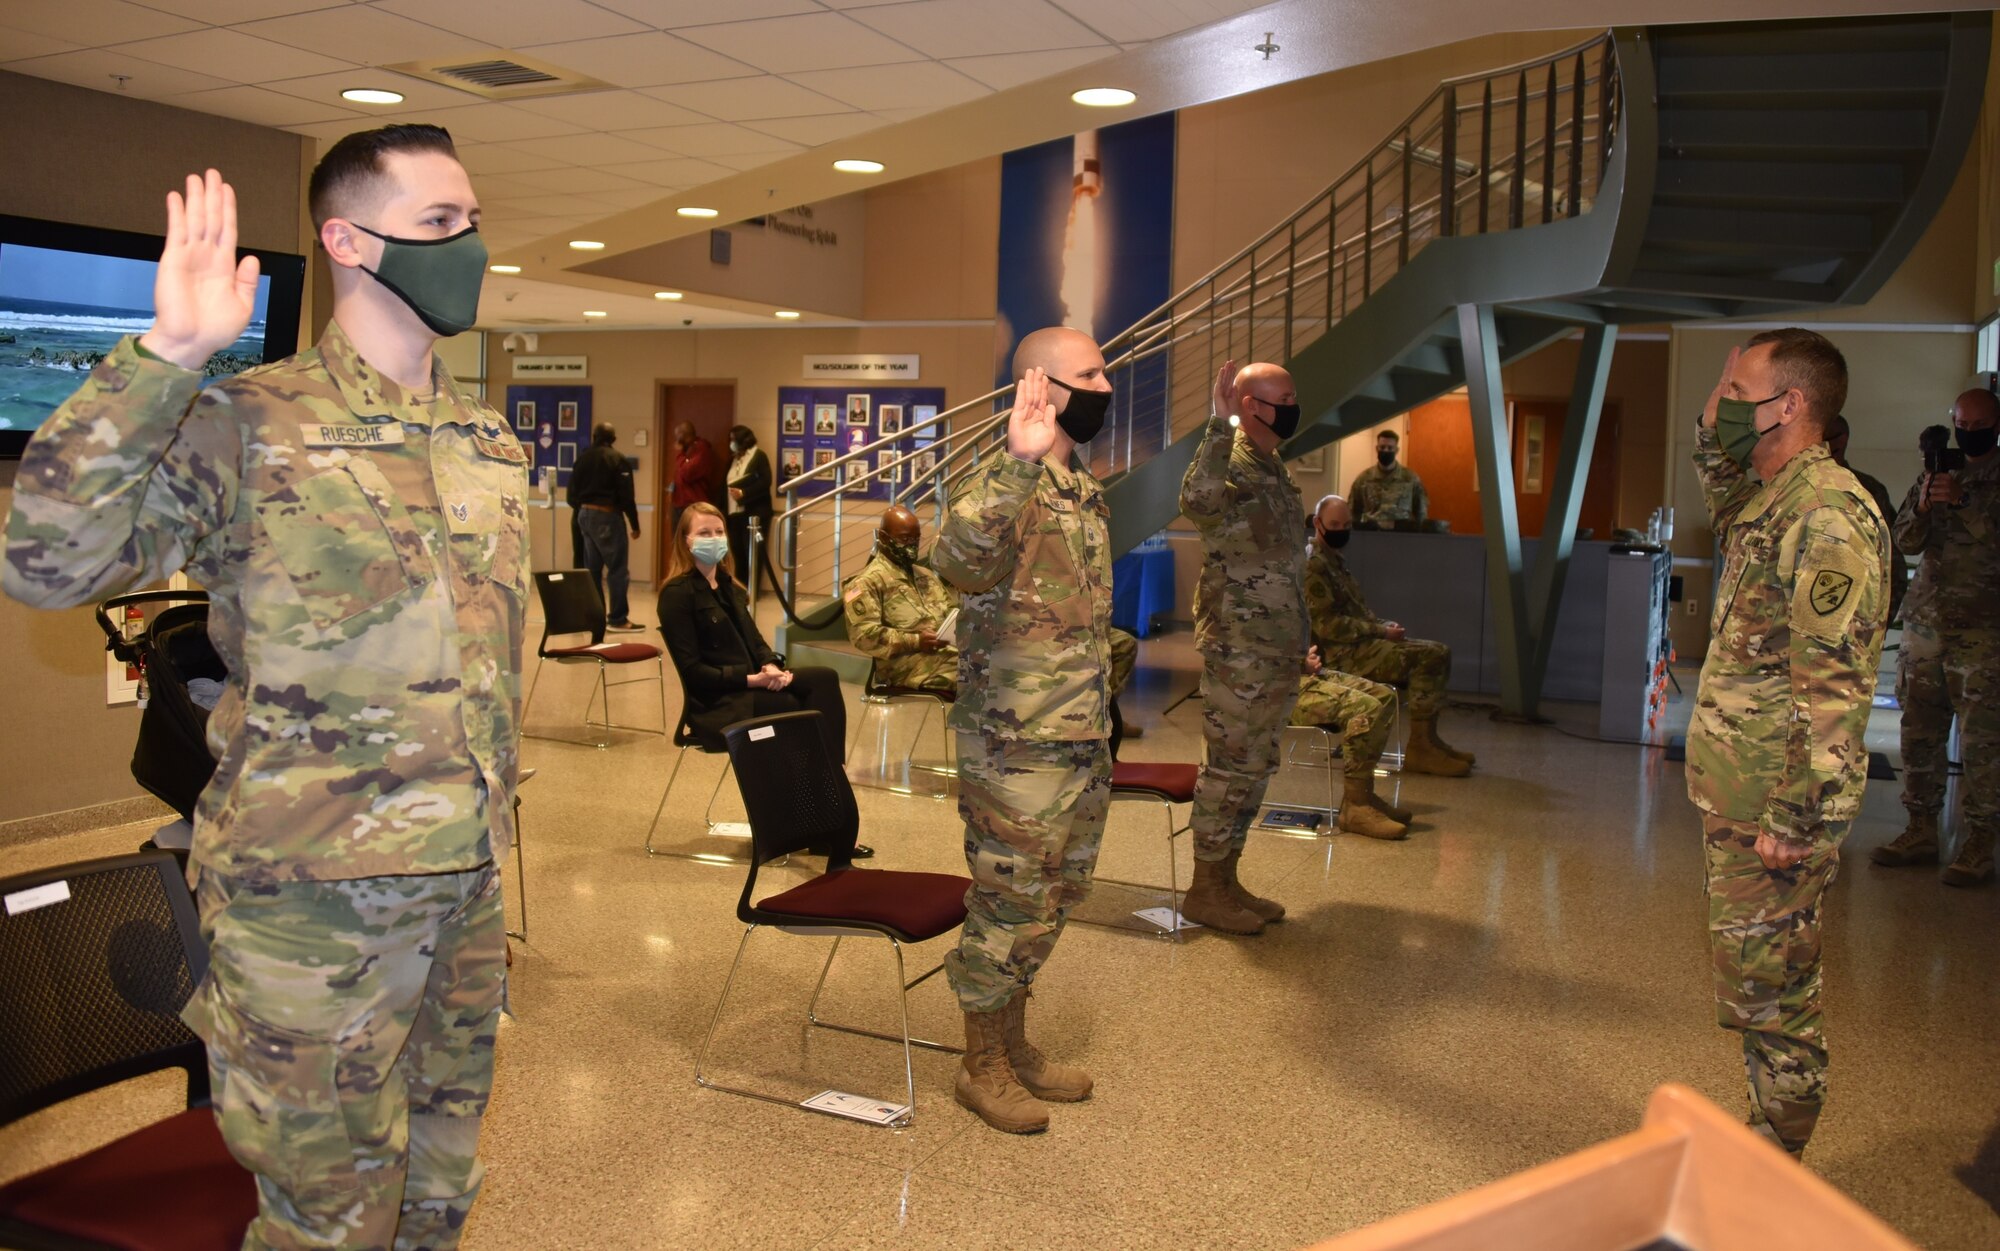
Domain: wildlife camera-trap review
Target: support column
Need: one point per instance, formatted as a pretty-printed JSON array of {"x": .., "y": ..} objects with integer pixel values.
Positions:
[
  {"x": 1586, "y": 407},
  {"x": 1495, "y": 454}
]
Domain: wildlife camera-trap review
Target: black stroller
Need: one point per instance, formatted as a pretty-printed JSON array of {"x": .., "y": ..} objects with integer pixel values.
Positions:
[{"x": 171, "y": 758}]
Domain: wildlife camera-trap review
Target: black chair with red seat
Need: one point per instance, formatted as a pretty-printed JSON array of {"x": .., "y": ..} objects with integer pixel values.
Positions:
[
  {"x": 572, "y": 604},
  {"x": 96, "y": 960},
  {"x": 1165, "y": 784},
  {"x": 798, "y": 798}
]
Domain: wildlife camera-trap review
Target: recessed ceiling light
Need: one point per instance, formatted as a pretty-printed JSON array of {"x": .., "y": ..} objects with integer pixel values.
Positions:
[
  {"x": 504, "y": 269},
  {"x": 587, "y": 245},
  {"x": 595, "y": 312},
  {"x": 689, "y": 210},
  {"x": 666, "y": 295},
  {"x": 1103, "y": 97},
  {"x": 371, "y": 95},
  {"x": 858, "y": 167},
  {"x": 786, "y": 314}
]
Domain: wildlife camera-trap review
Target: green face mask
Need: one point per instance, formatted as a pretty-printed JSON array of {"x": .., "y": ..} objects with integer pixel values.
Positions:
[
  {"x": 902, "y": 554},
  {"x": 438, "y": 278},
  {"x": 1736, "y": 428}
]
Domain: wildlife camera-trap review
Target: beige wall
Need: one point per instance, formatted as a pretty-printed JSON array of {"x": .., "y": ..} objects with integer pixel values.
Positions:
[
  {"x": 1986, "y": 147},
  {"x": 101, "y": 160}
]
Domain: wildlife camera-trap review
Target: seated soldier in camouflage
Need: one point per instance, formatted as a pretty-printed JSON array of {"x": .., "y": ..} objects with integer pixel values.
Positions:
[
  {"x": 1362, "y": 713},
  {"x": 1354, "y": 640},
  {"x": 894, "y": 607}
]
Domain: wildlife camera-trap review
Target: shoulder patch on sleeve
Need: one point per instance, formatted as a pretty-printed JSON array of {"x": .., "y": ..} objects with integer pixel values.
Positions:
[{"x": 1833, "y": 578}]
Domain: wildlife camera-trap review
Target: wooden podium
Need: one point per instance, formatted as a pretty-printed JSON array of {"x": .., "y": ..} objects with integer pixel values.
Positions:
[{"x": 1691, "y": 1178}]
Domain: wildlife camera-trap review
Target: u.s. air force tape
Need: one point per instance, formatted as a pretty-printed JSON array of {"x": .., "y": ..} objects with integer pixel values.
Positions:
[{"x": 342, "y": 434}]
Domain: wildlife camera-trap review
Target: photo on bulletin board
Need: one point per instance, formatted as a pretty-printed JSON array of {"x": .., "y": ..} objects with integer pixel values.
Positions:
[
  {"x": 922, "y": 464},
  {"x": 857, "y": 408},
  {"x": 566, "y": 415},
  {"x": 826, "y": 419},
  {"x": 822, "y": 456},
  {"x": 857, "y": 469},
  {"x": 889, "y": 419},
  {"x": 791, "y": 463},
  {"x": 524, "y": 415},
  {"x": 921, "y": 413},
  {"x": 794, "y": 420},
  {"x": 891, "y": 466},
  {"x": 565, "y": 456}
]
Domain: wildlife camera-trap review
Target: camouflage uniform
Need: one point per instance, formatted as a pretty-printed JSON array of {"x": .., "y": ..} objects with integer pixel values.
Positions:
[
  {"x": 1362, "y": 711},
  {"x": 364, "y": 554},
  {"x": 1355, "y": 641},
  {"x": 1899, "y": 569},
  {"x": 1775, "y": 745},
  {"x": 1249, "y": 625},
  {"x": 1950, "y": 658},
  {"x": 886, "y": 607},
  {"x": 1381, "y": 496},
  {"x": 1028, "y": 546},
  {"x": 1124, "y": 658}
]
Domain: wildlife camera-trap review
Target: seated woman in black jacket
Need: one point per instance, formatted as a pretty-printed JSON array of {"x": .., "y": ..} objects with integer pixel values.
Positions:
[{"x": 728, "y": 672}]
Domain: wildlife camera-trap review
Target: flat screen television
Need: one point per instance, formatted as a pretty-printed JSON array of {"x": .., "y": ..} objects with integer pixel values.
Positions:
[{"x": 68, "y": 292}]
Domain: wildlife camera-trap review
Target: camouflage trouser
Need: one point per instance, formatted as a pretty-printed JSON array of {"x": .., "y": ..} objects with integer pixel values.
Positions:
[
  {"x": 1421, "y": 666},
  {"x": 1247, "y": 702},
  {"x": 1124, "y": 656},
  {"x": 1938, "y": 673},
  {"x": 350, "y": 1031},
  {"x": 1361, "y": 711},
  {"x": 937, "y": 671},
  {"x": 1764, "y": 935},
  {"x": 1034, "y": 818}
]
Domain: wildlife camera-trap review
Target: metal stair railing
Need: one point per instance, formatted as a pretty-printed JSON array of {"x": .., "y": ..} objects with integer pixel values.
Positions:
[{"x": 1493, "y": 151}]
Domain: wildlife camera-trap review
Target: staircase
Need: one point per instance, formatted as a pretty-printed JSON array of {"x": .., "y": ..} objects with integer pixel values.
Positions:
[{"x": 1648, "y": 175}]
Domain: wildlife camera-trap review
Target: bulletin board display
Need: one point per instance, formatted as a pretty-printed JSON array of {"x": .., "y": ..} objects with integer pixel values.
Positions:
[
  {"x": 817, "y": 425},
  {"x": 553, "y": 423}
]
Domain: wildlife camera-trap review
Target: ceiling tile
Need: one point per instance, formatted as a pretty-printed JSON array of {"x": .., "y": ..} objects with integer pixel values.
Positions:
[
  {"x": 784, "y": 45},
  {"x": 230, "y": 12},
  {"x": 647, "y": 60},
  {"x": 575, "y": 180},
  {"x": 419, "y": 94},
  {"x": 1011, "y": 69},
  {"x": 266, "y": 108},
  {"x": 684, "y": 172},
  {"x": 329, "y": 133},
  {"x": 547, "y": 206},
  {"x": 243, "y": 57},
  {"x": 919, "y": 84},
  {"x": 95, "y": 68},
  {"x": 667, "y": 14},
  {"x": 363, "y": 34},
  {"x": 752, "y": 160},
  {"x": 713, "y": 139},
  {"x": 85, "y": 22},
  {"x": 16, "y": 44},
  {"x": 746, "y": 99},
  {"x": 502, "y": 187},
  {"x": 481, "y": 159},
  {"x": 638, "y": 197},
  {"x": 813, "y": 131},
  {"x": 499, "y": 123},
  {"x": 946, "y": 28},
  {"x": 588, "y": 149},
  {"x": 612, "y": 110},
  {"x": 1130, "y": 21},
  {"x": 516, "y": 23}
]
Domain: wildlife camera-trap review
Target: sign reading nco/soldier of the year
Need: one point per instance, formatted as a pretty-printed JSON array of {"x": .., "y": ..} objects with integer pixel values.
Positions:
[
  {"x": 861, "y": 367},
  {"x": 552, "y": 368}
]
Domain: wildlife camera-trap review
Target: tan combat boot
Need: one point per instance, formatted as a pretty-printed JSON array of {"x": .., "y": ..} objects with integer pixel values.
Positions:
[
  {"x": 1043, "y": 1077},
  {"x": 986, "y": 1084},
  {"x": 1974, "y": 862},
  {"x": 1917, "y": 844},
  {"x": 1267, "y": 910},
  {"x": 1373, "y": 798},
  {"x": 1425, "y": 754},
  {"x": 1358, "y": 816},
  {"x": 1210, "y": 902}
]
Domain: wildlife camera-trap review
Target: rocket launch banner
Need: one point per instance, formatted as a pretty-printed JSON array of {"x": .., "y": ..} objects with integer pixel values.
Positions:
[{"x": 1086, "y": 240}]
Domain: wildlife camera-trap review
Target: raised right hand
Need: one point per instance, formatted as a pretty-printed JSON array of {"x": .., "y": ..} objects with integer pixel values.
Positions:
[
  {"x": 1222, "y": 405},
  {"x": 1721, "y": 389},
  {"x": 1031, "y": 427},
  {"x": 202, "y": 296}
]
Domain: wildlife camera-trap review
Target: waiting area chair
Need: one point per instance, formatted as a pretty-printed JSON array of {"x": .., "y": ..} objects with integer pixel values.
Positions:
[
  {"x": 799, "y": 798},
  {"x": 686, "y": 740},
  {"x": 96, "y": 960},
  {"x": 1166, "y": 784},
  {"x": 572, "y": 604},
  {"x": 881, "y": 699}
]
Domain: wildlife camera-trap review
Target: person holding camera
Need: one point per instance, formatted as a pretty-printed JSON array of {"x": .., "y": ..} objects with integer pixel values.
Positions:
[{"x": 1950, "y": 661}]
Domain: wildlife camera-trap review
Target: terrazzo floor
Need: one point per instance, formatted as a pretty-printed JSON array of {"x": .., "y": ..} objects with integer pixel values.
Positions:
[{"x": 1504, "y": 987}]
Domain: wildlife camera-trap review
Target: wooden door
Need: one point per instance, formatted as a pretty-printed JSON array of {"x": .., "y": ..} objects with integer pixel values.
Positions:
[
  {"x": 711, "y": 407},
  {"x": 1439, "y": 449}
]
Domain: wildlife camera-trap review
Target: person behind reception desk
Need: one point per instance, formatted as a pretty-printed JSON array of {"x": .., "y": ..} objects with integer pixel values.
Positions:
[
  {"x": 1351, "y": 639},
  {"x": 1386, "y": 492},
  {"x": 1775, "y": 758}
]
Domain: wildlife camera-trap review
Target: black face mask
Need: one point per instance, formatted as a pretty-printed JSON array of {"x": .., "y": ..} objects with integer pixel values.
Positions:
[
  {"x": 1385, "y": 458},
  {"x": 1083, "y": 416},
  {"x": 1978, "y": 442},
  {"x": 1335, "y": 538},
  {"x": 1284, "y": 420}
]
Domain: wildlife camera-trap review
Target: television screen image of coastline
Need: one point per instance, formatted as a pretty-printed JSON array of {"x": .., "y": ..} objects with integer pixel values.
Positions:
[{"x": 62, "y": 312}]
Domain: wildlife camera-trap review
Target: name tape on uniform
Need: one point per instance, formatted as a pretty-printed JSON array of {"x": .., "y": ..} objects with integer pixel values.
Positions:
[
  {"x": 37, "y": 897},
  {"x": 388, "y": 434}
]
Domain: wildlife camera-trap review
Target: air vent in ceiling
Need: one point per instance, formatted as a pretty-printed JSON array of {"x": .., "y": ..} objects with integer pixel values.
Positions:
[{"x": 504, "y": 76}]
